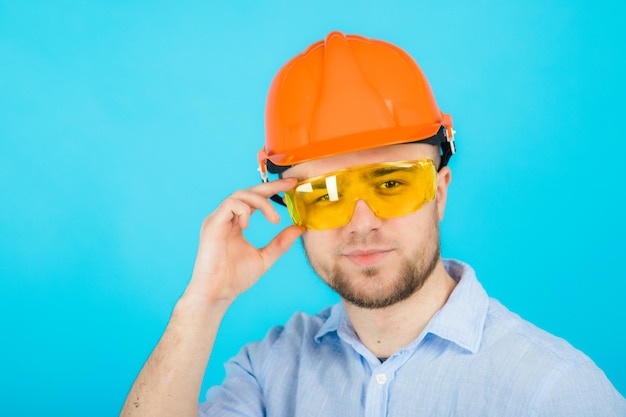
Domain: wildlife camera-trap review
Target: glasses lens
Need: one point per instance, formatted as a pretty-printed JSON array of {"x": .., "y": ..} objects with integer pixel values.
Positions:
[{"x": 390, "y": 190}]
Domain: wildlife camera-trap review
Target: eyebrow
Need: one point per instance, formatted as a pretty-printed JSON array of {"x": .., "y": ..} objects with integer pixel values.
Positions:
[
  {"x": 383, "y": 171},
  {"x": 379, "y": 172}
]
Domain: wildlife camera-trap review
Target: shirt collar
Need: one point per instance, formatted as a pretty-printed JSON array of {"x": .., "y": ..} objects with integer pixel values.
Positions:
[
  {"x": 461, "y": 320},
  {"x": 335, "y": 316}
]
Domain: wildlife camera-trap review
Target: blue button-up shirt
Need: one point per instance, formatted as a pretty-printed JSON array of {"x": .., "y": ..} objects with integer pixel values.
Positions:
[{"x": 474, "y": 358}]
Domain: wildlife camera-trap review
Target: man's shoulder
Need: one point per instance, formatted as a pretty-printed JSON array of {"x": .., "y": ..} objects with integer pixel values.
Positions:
[
  {"x": 505, "y": 329},
  {"x": 302, "y": 324},
  {"x": 301, "y": 328}
]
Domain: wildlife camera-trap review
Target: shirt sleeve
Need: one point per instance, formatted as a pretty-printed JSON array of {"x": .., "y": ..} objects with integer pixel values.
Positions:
[
  {"x": 239, "y": 395},
  {"x": 580, "y": 390},
  {"x": 242, "y": 393}
]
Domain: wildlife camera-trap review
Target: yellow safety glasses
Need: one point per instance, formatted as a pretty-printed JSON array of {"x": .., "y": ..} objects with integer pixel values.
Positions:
[{"x": 390, "y": 189}]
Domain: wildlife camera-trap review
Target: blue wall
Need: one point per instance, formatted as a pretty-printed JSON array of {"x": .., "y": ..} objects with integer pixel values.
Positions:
[{"x": 124, "y": 123}]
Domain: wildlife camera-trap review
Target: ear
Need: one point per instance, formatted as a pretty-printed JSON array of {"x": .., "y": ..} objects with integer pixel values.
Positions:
[{"x": 444, "y": 176}]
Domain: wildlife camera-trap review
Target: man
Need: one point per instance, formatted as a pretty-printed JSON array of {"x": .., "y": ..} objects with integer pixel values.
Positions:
[{"x": 361, "y": 148}]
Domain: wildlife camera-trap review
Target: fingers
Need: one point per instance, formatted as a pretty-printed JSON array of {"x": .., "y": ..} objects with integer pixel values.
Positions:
[
  {"x": 242, "y": 203},
  {"x": 280, "y": 244},
  {"x": 268, "y": 189},
  {"x": 257, "y": 196}
]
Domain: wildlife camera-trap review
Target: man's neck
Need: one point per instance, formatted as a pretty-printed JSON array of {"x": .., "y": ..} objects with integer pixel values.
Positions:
[{"x": 387, "y": 330}]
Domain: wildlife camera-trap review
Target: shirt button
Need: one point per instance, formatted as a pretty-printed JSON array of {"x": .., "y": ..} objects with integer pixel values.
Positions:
[{"x": 381, "y": 378}]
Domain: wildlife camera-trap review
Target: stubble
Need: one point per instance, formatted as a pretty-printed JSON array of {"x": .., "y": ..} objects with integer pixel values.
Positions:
[{"x": 373, "y": 287}]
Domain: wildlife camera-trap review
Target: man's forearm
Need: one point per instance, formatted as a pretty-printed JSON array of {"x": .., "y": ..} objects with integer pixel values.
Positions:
[
  {"x": 226, "y": 266},
  {"x": 169, "y": 383}
]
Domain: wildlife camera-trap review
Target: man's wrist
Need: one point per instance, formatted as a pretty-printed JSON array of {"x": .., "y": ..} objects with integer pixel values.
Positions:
[{"x": 200, "y": 307}]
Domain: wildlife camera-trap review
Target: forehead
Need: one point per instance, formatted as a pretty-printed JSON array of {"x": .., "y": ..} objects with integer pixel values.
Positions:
[{"x": 393, "y": 153}]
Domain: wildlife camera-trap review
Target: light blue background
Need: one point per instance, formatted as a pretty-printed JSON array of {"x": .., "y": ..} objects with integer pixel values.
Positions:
[{"x": 124, "y": 123}]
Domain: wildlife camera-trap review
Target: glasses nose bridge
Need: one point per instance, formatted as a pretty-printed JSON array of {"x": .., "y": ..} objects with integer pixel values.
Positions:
[
  {"x": 363, "y": 217},
  {"x": 360, "y": 190}
]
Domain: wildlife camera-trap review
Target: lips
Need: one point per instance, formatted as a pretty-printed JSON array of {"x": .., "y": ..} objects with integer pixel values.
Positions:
[{"x": 368, "y": 257}]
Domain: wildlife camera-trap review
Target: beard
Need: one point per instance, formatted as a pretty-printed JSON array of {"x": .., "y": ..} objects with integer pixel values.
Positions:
[{"x": 374, "y": 288}]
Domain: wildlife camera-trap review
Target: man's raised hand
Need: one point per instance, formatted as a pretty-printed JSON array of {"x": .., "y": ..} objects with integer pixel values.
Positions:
[{"x": 227, "y": 264}]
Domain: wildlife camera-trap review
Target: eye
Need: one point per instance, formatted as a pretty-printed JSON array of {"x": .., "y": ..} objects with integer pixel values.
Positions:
[
  {"x": 390, "y": 184},
  {"x": 327, "y": 199},
  {"x": 391, "y": 187}
]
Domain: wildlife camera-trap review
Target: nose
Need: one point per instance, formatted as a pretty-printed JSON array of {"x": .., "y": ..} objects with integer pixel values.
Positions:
[{"x": 363, "y": 219}]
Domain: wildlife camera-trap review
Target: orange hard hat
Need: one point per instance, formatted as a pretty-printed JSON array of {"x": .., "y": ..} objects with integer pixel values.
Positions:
[{"x": 349, "y": 93}]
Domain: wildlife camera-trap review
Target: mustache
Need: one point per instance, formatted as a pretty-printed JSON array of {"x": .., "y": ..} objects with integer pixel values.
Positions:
[{"x": 367, "y": 241}]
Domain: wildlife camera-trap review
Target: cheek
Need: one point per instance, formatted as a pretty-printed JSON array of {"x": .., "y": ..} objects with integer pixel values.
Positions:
[
  {"x": 419, "y": 226},
  {"x": 314, "y": 242}
]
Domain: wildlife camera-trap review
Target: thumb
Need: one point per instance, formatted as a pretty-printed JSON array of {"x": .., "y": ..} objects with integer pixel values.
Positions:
[{"x": 280, "y": 243}]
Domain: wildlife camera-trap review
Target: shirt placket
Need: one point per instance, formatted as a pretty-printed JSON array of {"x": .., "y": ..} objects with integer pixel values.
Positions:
[
  {"x": 377, "y": 395},
  {"x": 381, "y": 374}
]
